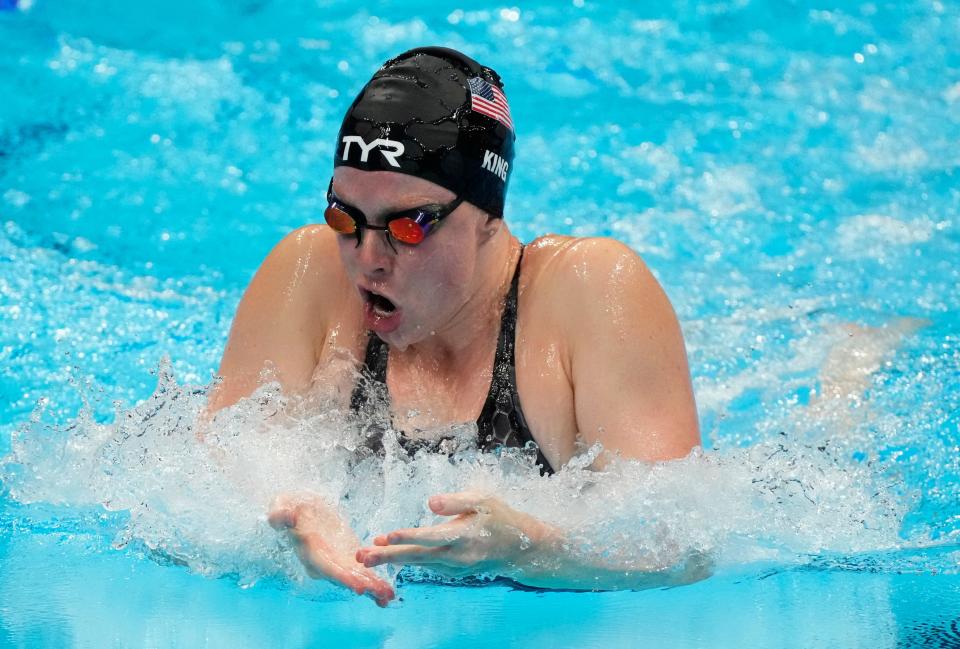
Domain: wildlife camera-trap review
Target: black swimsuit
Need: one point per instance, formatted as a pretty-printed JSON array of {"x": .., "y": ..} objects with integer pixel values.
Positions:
[{"x": 501, "y": 422}]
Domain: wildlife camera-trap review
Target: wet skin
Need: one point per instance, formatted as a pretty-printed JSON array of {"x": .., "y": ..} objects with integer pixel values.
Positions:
[{"x": 599, "y": 354}]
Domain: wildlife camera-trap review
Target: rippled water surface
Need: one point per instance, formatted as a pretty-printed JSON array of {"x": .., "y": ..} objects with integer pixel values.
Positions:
[{"x": 788, "y": 169}]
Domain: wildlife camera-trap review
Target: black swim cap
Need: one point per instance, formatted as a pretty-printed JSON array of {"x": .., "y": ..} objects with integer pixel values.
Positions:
[{"x": 436, "y": 114}]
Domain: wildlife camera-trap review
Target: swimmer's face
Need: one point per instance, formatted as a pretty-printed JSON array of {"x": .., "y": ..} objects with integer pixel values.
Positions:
[{"x": 425, "y": 284}]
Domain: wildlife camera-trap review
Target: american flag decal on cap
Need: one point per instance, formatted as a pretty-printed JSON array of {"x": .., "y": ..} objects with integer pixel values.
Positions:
[{"x": 487, "y": 99}]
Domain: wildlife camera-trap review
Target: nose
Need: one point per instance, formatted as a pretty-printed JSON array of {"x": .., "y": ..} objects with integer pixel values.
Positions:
[{"x": 374, "y": 253}]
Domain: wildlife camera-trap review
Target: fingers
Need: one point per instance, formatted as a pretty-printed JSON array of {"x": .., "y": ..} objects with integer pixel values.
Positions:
[
  {"x": 322, "y": 564},
  {"x": 370, "y": 584},
  {"x": 363, "y": 581},
  {"x": 433, "y": 536},
  {"x": 463, "y": 502},
  {"x": 401, "y": 554},
  {"x": 325, "y": 545}
]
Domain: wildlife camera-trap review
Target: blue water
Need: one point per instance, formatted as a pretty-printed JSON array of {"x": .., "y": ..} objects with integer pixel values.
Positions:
[{"x": 788, "y": 169}]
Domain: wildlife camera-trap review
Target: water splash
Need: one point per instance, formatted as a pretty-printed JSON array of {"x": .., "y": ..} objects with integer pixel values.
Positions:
[{"x": 194, "y": 491}]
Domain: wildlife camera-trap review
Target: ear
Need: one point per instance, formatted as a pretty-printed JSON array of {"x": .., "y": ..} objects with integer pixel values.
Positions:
[{"x": 489, "y": 226}]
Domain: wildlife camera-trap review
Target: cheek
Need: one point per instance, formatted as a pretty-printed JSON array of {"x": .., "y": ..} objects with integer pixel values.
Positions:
[
  {"x": 347, "y": 249},
  {"x": 450, "y": 270},
  {"x": 442, "y": 277}
]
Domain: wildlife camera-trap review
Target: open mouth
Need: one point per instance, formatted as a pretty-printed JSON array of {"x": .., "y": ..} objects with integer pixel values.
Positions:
[{"x": 380, "y": 304}]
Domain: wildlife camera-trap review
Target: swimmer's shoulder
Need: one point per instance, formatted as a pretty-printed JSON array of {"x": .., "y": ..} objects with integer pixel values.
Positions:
[
  {"x": 557, "y": 263},
  {"x": 309, "y": 254},
  {"x": 301, "y": 286},
  {"x": 285, "y": 316},
  {"x": 280, "y": 319},
  {"x": 305, "y": 240},
  {"x": 577, "y": 282}
]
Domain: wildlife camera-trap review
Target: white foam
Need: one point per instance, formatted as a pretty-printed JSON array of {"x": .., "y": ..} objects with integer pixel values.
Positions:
[
  {"x": 723, "y": 191},
  {"x": 952, "y": 94},
  {"x": 204, "y": 503},
  {"x": 874, "y": 235},
  {"x": 890, "y": 152}
]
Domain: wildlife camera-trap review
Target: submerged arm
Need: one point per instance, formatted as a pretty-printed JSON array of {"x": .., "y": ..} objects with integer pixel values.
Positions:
[
  {"x": 557, "y": 561},
  {"x": 486, "y": 536}
]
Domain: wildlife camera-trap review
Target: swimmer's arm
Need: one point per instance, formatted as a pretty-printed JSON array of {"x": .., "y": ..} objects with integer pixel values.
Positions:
[
  {"x": 555, "y": 562},
  {"x": 483, "y": 535},
  {"x": 626, "y": 356},
  {"x": 632, "y": 394},
  {"x": 278, "y": 320}
]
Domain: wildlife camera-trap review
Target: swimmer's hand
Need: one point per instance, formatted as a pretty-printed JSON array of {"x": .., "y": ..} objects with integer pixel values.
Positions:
[
  {"x": 485, "y": 536},
  {"x": 326, "y": 545}
]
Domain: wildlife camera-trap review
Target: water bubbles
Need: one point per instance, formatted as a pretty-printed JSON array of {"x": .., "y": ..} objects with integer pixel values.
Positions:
[
  {"x": 525, "y": 542},
  {"x": 195, "y": 489},
  {"x": 952, "y": 93},
  {"x": 16, "y": 198},
  {"x": 511, "y": 14},
  {"x": 586, "y": 458}
]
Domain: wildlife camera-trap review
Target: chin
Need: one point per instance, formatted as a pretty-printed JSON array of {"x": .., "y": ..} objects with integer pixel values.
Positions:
[
  {"x": 403, "y": 337},
  {"x": 396, "y": 344},
  {"x": 398, "y": 340}
]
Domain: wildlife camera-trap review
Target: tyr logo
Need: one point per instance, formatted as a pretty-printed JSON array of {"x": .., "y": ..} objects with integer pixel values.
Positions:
[{"x": 392, "y": 150}]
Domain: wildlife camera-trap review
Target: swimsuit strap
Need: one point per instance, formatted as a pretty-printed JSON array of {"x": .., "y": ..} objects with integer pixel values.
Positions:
[
  {"x": 501, "y": 421},
  {"x": 375, "y": 370}
]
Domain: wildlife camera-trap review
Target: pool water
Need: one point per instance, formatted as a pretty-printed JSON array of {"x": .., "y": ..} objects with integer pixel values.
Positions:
[{"x": 789, "y": 170}]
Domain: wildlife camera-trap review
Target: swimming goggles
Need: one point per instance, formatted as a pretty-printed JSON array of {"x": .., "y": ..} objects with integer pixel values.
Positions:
[{"x": 407, "y": 226}]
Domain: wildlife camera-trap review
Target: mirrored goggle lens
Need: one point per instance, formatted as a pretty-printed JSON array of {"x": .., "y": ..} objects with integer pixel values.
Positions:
[
  {"x": 339, "y": 220},
  {"x": 406, "y": 230}
]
